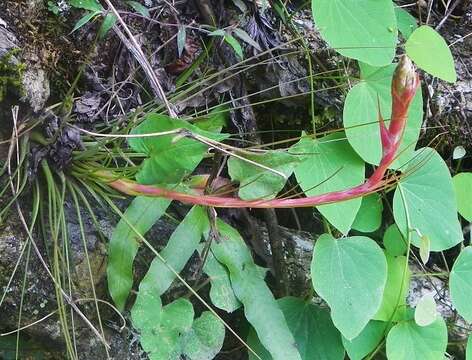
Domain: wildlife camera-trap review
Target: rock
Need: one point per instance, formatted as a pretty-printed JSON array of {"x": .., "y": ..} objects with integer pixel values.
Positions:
[
  {"x": 34, "y": 80},
  {"x": 8, "y": 40},
  {"x": 35, "y": 86}
]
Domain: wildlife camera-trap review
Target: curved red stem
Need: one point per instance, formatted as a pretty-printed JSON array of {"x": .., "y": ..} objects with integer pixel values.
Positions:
[{"x": 404, "y": 86}]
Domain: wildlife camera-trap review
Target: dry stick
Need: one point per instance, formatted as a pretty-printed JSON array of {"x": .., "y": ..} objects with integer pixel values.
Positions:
[
  {"x": 404, "y": 85},
  {"x": 134, "y": 47}
]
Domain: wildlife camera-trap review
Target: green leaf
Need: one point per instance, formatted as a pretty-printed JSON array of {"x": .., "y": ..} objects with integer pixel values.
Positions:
[
  {"x": 460, "y": 283},
  {"x": 366, "y": 341},
  {"x": 139, "y": 8},
  {"x": 181, "y": 246},
  {"x": 107, "y": 24},
  {"x": 163, "y": 340},
  {"x": 259, "y": 183},
  {"x": 408, "y": 341},
  {"x": 91, "y": 5},
  {"x": 350, "y": 275},
  {"x": 430, "y": 52},
  {"x": 84, "y": 20},
  {"x": 330, "y": 164},
  {"x": 146, "y": 312},
  {"x": 396, "y": 288},
  {"x": 361, "y": 115},
  {"x": 205, "y": 339},
  {"x": 394, "y": 242},
  {"x": 141, "y": 214},
  {"x": 425, "y": 311},
  {"x": 244, "y": 36},
  {"x": 430, "y": 201},
  {"x": 260, "y": 308},
  {"x": 369, "y": 217},
  {"x": 463, "y": 188},
  {"x": 171, "y": 157},
  {"x": 181, "y": 39},
  {"x": 235, "y": 45},
  {"x": 360, "y": 29},
  {"x": 406, "y": 23},
  {"x": 221, "y": 292},
  {"x": 315, "y": 335}
]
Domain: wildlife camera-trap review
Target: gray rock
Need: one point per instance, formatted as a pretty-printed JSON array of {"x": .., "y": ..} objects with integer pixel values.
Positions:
[{"x": 35, "y": 86}]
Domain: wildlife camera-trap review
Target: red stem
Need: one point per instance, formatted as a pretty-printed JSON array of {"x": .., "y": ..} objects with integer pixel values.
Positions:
[{"x": 404, "y": 85}]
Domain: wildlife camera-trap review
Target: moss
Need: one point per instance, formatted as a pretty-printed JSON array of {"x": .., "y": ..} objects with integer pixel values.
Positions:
[{"x": 10, "y": 74}]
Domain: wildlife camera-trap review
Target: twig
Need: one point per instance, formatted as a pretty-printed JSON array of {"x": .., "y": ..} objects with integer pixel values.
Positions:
[{"x": 133, "y": 46}]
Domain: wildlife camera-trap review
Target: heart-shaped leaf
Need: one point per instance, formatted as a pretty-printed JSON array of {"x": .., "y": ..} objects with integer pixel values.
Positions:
[
  {"x": 460, "y": 283},
  {"x": 393, "y": 241},
  {"x": 361, "y": 115},
  {"x": 366, "y": 341},
  {"x": 430, "y": 52},
  {"x": 330, "y": 164},
  {"x": 427, "y": 195},
  {"x": 360, "y": 29},
  {"x": 396, "y": 288},
  {"x": 463, "y": 189},
  {"x": 311, "y": 326},
  {"x": 407, "y": 340},
  {"x": 350, "y": 275},
  {"x": 256, "y": 182},
  {"x": 369, "y": 217}
]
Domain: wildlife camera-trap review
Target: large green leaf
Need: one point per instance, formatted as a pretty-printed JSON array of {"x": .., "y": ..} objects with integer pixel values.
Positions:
[
  {"x": 369, "y": 217},
  {"x": 221, "y": 292},
  {"x": 463, "y": 188},
  {"x": 171, "y": 157},
  {"x": 141, "y": 214},
  {"x": 350, "y": 275},
  {"x": 430, "y": 202},
  {"x": 260, "y": 307},
  {"x": 460, "y": 283},
  {"x": 205, "y": 339},
  {"x": 409, "y": 341},
  {"x": 359, "y": 29},
  {"x": 430, "y": 52},
  {"x": 396, "y": 288},
  {"x": 361, "y": 115},
  {"x": 366, "y": 341},
  {"x": 330, "y": 164},
  {"x": 181, "y": 246},
  {"x": 314, "y": 332},
  {"x": 258, "y": 183}
]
